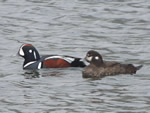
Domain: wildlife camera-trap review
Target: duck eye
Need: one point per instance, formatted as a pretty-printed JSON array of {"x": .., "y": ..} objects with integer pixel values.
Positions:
[
  {"x": 96, "y": 57},
  {"x": 30, "y": 51}
]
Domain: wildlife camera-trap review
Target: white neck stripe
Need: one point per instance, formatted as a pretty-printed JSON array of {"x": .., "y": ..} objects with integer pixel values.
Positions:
[
  {"x": 29, "y": 64},
  {"x": 34, "y": 54},
  {"x": 40, "y": 65}
]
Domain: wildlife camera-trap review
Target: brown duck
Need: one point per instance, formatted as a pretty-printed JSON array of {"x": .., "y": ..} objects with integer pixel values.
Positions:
[{"x": 99, "y": 68}]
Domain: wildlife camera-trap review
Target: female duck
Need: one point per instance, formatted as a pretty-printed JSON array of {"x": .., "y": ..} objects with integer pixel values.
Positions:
[{"x": 99, "y": 68}]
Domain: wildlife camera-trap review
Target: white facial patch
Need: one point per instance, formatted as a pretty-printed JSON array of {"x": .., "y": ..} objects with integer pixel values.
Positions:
[
  {"x": 89, "y": 58},
  {"x": 30, "y": 51},
  {"x": 21, "y": 53},
  {"x": 96, "y": 57}
]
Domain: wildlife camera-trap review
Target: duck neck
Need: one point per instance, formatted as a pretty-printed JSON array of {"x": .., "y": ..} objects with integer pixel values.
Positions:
[
  {"x": 32, "y": 58},
  {"x": 27, "y": 61},
  {"x": 98, "y": 63}
]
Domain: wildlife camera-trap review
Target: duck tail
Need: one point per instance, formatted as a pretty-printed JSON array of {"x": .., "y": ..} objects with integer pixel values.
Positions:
[{"x": 139, "y": 67}]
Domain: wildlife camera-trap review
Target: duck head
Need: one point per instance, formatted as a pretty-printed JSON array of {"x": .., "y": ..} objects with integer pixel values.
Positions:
[
  {"x": 93, "y": 57},
  {"x": 29, "y": 53}
]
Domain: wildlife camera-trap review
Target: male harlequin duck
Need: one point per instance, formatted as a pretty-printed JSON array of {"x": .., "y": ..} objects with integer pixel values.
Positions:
[
  {"x": 99, "y": 68},
  {"x": 34, "y": 61}
]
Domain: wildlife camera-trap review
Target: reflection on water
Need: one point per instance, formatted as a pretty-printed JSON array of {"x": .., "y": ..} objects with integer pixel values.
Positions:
[
  {"x": 118, "y": 29},
  {"x": 29, "y": 74}
]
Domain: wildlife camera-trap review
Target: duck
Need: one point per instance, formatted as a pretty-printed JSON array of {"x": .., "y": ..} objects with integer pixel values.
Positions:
[
  {"x": 33, "y": 60},
  {"x": 99, "y": 68}
]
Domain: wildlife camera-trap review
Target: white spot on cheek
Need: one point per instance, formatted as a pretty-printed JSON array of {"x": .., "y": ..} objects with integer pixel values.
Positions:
[
  {"x": 96, "y": 57},
  {"x": 30, "y": 51}
]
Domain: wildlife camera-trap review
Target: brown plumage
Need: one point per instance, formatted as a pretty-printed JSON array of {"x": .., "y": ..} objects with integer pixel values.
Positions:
[{"x": 99, "y": 68}]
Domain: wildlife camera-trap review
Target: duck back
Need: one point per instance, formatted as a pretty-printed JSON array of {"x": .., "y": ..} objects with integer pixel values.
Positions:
[{"x": 109, "y": 69}]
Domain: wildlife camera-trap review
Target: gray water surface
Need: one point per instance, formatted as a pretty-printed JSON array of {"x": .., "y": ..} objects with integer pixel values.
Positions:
[{"x": 118, "y": 29}]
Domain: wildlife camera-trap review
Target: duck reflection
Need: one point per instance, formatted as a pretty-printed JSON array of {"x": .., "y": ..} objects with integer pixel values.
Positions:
[{"x": 29, "y": 74}]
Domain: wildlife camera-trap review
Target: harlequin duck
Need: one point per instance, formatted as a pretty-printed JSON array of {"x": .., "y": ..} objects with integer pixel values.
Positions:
[
  {"x": 34, "y": 61},
  {"x": 99, "y": 68}
]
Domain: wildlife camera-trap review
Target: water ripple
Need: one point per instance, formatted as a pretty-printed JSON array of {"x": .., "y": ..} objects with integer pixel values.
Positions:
[{"x": 118, "y": 29}]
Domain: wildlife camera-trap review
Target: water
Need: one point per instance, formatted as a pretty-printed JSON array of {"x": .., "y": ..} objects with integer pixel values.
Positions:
[{"x": 118, "y": 29}]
